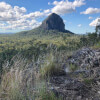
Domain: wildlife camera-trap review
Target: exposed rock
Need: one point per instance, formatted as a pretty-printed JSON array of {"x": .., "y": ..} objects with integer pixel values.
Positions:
[
  {"x": 74, "y": 87},
  {"x": 53, "y": 22}
]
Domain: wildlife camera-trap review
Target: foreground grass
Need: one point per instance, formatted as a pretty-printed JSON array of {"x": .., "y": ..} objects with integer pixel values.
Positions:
[
  {"x": 23, "y": 83},
  {"x": 11, "y": 88}
]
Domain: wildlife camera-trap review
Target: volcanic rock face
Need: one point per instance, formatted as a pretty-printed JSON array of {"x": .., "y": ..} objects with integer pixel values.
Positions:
[{"x": 53, "y": 22}]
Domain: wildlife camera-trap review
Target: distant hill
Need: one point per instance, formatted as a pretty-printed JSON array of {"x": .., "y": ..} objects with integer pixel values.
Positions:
[{"x": 53, "y": 24}]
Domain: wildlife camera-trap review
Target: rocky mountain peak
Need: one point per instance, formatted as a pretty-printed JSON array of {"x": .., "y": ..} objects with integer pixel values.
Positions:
[{"x": 53, "y": 22}]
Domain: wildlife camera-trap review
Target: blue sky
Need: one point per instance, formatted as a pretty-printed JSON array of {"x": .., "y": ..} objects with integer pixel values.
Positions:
[{"x": 80, "y": 16}]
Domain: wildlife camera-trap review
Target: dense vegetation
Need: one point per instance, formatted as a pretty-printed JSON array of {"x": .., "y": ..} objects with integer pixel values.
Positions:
[
  {"x": 37, "y": 43},
  {"x": 45, "y": 52}
]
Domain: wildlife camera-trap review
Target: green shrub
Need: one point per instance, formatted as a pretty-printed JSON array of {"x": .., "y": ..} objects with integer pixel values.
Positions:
[
  {"x": 45, "y": 94},
  {"x": 50, "y": 70},
  {"x": 15, "y": 94}
]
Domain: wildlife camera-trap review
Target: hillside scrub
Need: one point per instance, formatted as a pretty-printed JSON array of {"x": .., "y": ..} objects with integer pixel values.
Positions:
[
  {"x": 30, "y": 59},
  {"x": 51, "y": 68}
]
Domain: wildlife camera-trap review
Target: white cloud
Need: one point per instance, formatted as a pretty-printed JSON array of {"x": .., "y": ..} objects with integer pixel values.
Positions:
[
  {"x": 95, "y": 22},
  {"x": 19, "y": 10},
  {"x": 4, "y": 7},
  {"x": 79, "y": 25},
  {"x": 91, "y": 11},
  {"x": 64, "y": 7},
  {"x": 90, "y": 17},
  {"x": 17, "y": 17},
  {"x": 20, "y": 24},
  {"x": 78, "y": 3},
  {"x": 7, "y": 12}
]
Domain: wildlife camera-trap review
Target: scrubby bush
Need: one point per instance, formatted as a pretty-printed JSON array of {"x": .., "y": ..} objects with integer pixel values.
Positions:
[
  {"x": 43, "y": 93},
  {"x": 51, "y": 67},
  {"x": 51, "y": 70}
]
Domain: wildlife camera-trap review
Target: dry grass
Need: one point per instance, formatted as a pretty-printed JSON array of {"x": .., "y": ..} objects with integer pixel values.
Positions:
[
  {"x": 15, "y": 85},
  {"x": 50, "y": 67}
]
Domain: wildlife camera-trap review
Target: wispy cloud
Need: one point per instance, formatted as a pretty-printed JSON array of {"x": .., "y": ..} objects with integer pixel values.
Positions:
[
  {"x": 49, "y": 3},
  {"x": 79, "y": 25},
  {"x": 90, "y": 17}
]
